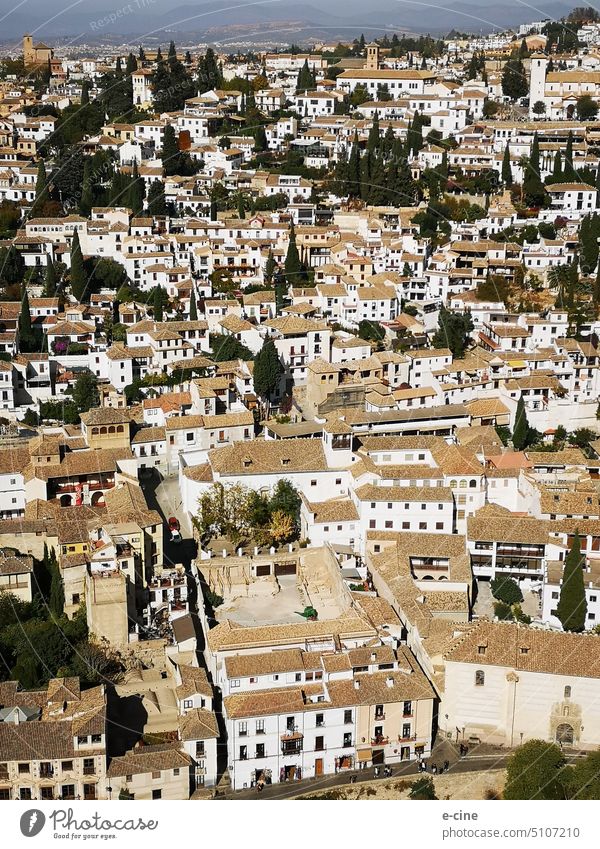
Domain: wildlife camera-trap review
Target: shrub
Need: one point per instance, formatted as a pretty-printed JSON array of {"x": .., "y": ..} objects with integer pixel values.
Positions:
[
  {"x": 503, "y": 611},
  {"x": 506, "y": 590}
]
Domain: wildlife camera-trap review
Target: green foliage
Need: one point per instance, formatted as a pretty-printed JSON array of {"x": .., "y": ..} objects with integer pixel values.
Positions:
[
  {"x": 209, "y": 74},
  {"x": 371, "y": 331},
  {"x": 78, "y": 276},
  {"x": 536, "y": 771},
  {"x": 507, "y": 590},
  {"x": 423, "y": 788},
  {"x": 63, "y": 411},
  {"x": 572, "y": 604},
  {"x": 214, "y": 599},
  {"x": 453, "y": 331},
  {"x": 226, "y": 348},
  {"x": 514, "y": 79},
  {"x": 85, "y": 392},
  {"x": 268, "y": 370},
  {"x": 503, "y": 611},
  {"x": 521, "y": 429}
]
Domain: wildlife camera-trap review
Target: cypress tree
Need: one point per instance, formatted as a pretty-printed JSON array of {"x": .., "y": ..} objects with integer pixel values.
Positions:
[
  {"x": 521, "y": 429},
  {"x": 270, "y": 267},
  {"x": 596, "y": 292},
  {"x": 374, "y": 139},
  {"x": 57, "y": 592},
  {"x": 41, "y": 190},
  {"x": 354, "y": 169},
  {"x": 569, "y": 172},
  {"x": 170, "y": 152},
  {"x": 157, "y": 204},
  {"x": 26, "y": 337},
  {"x": 50, "y": 279},
  {"x": 292, "y": 260},
  {"x": 78, "y": 281},
  {"x": 193, "y": 306},
  {"x": 87, "y": 200},
  {"x": 572, "y": 604},
  {"x": 506, "y": 169},
  {"x": 267, "y": 370}
]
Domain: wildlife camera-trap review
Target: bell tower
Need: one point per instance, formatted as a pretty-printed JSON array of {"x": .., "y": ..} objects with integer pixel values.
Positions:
[{"x": 372, "y": 57}]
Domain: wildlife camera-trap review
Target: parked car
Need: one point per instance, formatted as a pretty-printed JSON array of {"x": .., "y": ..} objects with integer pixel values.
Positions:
[
  {"x": 175, "y": 536},
  {"x": 173, "y": 523}
]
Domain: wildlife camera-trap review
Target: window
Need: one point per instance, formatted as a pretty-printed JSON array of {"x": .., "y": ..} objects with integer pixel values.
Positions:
[
  {"x": 235, "y": 682},
  {"x": 260, "y": 726},
  {"x": 156, "y": 774},
  {"x": 422, "y": 526},
  {"x": 479, "y": 678},
  {"x": 347, "y": 717},
  {"x": 347, "y": 741},
  {"x": 67, "y": 766},
  {"x": 243, "y": 729},
  {"x": 407, "y": 709},
  {"x": 68, "y": 791},
  {"x": 24, "y": 769},
  {"x": 320, "y": 720},
  {"x": 25, "y": 793},
  {"x": 157, "y": 794},
  {"x": 406, "y": 730},
  {"x": 243, "y": 753},
  {"x": 260, "y": 750},
  {"x": 188, "y": 703},
  {"x": 567, "y": 692},
  {"x": 379, "y": 712}
]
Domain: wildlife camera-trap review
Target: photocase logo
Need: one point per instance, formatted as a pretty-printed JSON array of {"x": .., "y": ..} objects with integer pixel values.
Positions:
[{"x": 32, "y": 822}]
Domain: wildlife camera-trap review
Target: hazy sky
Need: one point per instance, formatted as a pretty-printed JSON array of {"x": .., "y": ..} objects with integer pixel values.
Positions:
[{"x": 45, "y": 18}]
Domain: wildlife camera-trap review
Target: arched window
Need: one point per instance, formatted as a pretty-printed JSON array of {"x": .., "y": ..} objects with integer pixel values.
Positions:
[
  {"x": 462, "y": 484},
  {"x": 120, "y": 428},
  {"x": 479, "y": 678},
  {"x": 111, "y": 428},
  {"x": 103, "y": 429},
  {"x": 94, "y": 431},
  {"x": 452, "y": 484},
  {"x": 473, "y": 484},
  {"x": 567, "y": 692}
]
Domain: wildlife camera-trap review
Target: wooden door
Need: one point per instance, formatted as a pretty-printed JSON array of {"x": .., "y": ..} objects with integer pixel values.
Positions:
[{"x": 319, "y": 766}]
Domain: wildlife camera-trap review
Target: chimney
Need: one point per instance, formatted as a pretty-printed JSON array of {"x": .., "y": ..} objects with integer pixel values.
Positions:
[
  {"x": 373, "y": 657},
  {"x": 389, "y": 681},
  {"x": 356, "y": 684}
]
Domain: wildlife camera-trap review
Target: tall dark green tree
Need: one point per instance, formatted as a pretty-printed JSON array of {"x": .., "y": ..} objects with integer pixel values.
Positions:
[
  {"x": 514, "y": 80},
  {"x": 533, "y": 188},
  {"x": 521, "y": 429},
  {"x": 170, "y": 151},
  {"x": 270, "y": 267},
  {"x": 306, "y": 80},
  {"x": 267, "y": 370},
  {"x": 41, "y": 189},
  {"x": 193, "y": 306},
  {"x": 156, "y": 203},
  {"x": 78, "y": 275},
  {"x": 507, "y": 178},
  {"x": 209, "y": 74},
  {"x": 49, "y": 280},
  {"x": 26, "y": 335},
  {"x": 292, "y": 264},
  {"x": 569, "y": 172},
  {"x": 572, "y": 603}
]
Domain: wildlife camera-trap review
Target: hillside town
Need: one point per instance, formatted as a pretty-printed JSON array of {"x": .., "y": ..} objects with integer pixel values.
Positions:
[{"x": 300, "y": 415}]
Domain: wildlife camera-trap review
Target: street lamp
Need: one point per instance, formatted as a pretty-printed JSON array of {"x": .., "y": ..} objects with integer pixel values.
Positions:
[{"x": 109, "y": 791}]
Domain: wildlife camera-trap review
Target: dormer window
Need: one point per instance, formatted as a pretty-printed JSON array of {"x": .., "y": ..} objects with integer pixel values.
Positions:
[
  {"x": 481, "y": 649},
  {"x": 524, "y": 649}
]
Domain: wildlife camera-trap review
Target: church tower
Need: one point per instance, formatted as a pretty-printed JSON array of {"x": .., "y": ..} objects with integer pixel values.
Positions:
[
  {"x": 28, "y": 51},
  {"x": 537, "y": 80},
  {"x": 372, "y": 57}
]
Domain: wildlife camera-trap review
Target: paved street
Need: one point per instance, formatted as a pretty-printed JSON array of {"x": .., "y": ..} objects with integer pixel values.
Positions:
[{"x": 164, "y": 496}]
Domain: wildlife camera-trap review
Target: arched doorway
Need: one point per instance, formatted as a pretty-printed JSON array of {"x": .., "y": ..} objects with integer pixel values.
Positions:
[
  {"x": 564, "y": 734},
  {"x": 98, "y": 499},
  {"x": 66, "y": 500}
]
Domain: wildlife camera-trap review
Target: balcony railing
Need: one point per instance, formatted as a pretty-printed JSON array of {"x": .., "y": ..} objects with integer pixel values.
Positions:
[{"x": 379, "y": 741}]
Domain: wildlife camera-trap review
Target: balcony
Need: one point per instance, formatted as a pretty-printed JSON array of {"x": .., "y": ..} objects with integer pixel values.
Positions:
[
  {"x": 379, "y": 740},
  {"x": 380, "y": 715},
  {"x": 292, "y": 743},
  {"x": 89, "y": 770}
]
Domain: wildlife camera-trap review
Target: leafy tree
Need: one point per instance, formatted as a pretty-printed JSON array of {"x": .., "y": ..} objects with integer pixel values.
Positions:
[
  {"x": 12, "y": 266},
  {"x": 286, "y": 499},
  {"x": 224, "y": 510},
  {"x": 587, "y": 108},
  {"x": 507, "y": 590},
  {"x": 371, "y": 331},
  {"x": 260, "y": 139},
  {"x": 521, "y": 429},
  {"x": 78, "y": 276},
  {"x": 85, "y": 392},
  {"x": 209, "y": 75},
  {"x": 268, "y": 370},
  {"x": 157, "y": 204},
  {"x": 282, "y": 528},
  {"x": 539, "y": 107},
  {"x": 572, "y": 604},
  {"x": 535, "y": 771},
  {"x": 514, "y": 79},
  {"x": 584, "y": 777},
  {"x": 453, "y": 331},
  {"x": 227, "y": 348}
]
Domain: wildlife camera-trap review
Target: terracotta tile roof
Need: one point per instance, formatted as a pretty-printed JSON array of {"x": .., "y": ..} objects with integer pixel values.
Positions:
[{"x": 149, "y": 759}]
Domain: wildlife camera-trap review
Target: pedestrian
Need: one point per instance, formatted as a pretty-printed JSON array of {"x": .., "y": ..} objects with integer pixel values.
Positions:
[
  {"x": 434, "y": 769},
  {"x": 446, "y": 766}
]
